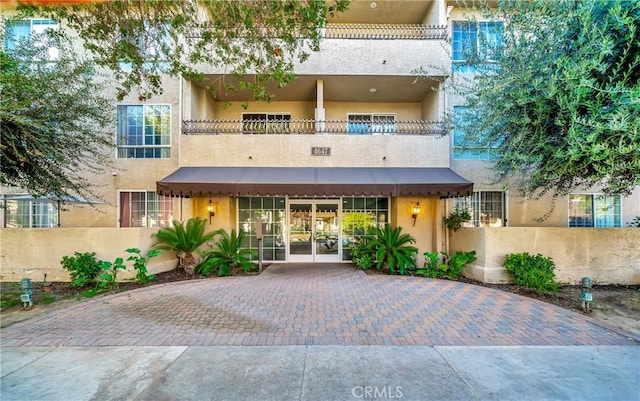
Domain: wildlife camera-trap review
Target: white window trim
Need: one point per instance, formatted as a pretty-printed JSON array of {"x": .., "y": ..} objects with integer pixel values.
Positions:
[
  {"x": 117, "y": 147},
  {"x": 477, "y": 23},
  {"x": 593, "y": 216},
  {"x": 372, "y": 116},
  {"x": 146, "y": 205}
]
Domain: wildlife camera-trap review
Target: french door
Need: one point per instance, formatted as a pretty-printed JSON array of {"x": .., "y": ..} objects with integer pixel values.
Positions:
[{"x": 314, "y": 231}]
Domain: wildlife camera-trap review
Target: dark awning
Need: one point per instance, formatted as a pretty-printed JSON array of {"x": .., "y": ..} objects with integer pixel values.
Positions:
[{"x": 314, "y": 181}]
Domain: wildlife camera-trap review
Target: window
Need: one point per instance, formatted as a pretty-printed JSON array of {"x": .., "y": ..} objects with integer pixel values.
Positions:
[
  {"x": 465, "y": 148},
  {"x": 265, "y": 123},
  {"x": 594, "y": 210},
  {"x": 21, "y": 30},
  {"x": 474, "y": 40},
  {"x": 371, "y": 124},
  {"x": 31, "y": 213},
  {"x": 145, "y": 209},
  {"x": 358, "y": 215},
  {"x": 487, "y": 208},
  {"x": 272, "y": 211},
  {"x": 144, "y": 132}
]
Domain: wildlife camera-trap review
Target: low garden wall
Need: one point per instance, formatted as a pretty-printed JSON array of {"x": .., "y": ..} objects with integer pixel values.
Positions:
[
  {"x": 607, "y": 255},
  {"x": 34, "y": 252}
]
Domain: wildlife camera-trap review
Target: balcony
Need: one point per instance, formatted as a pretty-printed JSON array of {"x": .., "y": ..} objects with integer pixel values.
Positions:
[
  {"x": 385, "y": 31},
  {"x": 312, "y": 127}
]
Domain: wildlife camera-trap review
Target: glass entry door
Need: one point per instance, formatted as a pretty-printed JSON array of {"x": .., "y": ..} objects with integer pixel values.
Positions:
[{"x": 314, "y": 231}]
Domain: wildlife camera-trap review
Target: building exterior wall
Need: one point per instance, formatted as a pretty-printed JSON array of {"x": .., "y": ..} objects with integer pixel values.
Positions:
[
  {"x": 607, "y": 255},
  {"x": 331, "y": 80},
  {"x": 35, "y": 252}
]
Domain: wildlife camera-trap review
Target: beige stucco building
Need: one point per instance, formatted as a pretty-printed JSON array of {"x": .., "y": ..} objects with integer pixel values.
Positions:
[{"x": 355, "y": 136}]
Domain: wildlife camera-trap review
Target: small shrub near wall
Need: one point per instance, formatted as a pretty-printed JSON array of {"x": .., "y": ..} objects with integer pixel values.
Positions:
[{"x": 532, "y": 271}]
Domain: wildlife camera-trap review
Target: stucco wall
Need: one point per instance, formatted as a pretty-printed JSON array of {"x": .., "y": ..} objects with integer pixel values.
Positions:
[
  {"x": 34, "y": 252},
  {"x": 295, "y": 150},
  {"x": 607, "y": 255}
]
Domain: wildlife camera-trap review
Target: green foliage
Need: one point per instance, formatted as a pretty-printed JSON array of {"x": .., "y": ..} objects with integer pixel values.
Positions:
[
  {"x": 560, "y": 102},
  {"x": 82, "y": 267},
  {"x": 392, "y": 249},
  {"x": 456, "y": 218},
  {"x": 635, "y": 222},
  {"x": 55, "y": 127},
  {"x": 140, "y": 40},
  {"x": 109, "y": 278},
  {"x": 451, "y": 269},
  {"x": 183, "y": 238},
  {"x": 532, "y": 271},
  {"x": 363, "y": 253},
  {"x": 140, "y": 264},
  {"x": 227, "y": 255}
]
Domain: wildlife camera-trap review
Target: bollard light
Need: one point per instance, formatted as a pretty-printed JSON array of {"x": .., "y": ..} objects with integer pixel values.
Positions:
[{"x": 587, "y": 296}]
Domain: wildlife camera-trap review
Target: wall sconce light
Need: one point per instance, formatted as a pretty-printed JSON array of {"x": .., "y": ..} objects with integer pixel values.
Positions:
[
  {"x": 211, "y": 208},
  {"x": 415, "y": 211}
]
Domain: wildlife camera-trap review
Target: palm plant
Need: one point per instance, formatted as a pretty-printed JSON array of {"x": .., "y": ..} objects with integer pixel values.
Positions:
[
  {"x": 392, "y": 249},
  {"x": 184, "y": 240},
  {"x": 227, "y": 255}
]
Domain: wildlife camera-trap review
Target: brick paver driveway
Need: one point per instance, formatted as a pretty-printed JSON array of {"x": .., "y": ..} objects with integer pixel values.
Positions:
[{"x": 319, "y": 304}]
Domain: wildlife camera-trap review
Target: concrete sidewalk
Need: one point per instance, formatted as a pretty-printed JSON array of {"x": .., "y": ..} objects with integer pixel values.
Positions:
[{"x": 321, "y": 373}]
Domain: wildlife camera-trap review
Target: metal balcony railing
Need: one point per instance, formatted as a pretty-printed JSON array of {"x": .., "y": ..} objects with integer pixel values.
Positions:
[
  {"x": 385, "y": 31},
  {"x": 362, "y": 31},
  {"x": 312, "y": 127}
]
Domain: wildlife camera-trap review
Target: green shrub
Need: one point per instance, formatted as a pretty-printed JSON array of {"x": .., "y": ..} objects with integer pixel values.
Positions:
[
  {"x": 532, "y": 271},
  {"x": 82, "y": 267},
  {"x": 185, "y": 239},
  {"x": 227, "y": 255},
  {"x": 451, "y": 268},
  {"x": 456, "y": 218},
  {"x": 363, "y": 254},
  {"x": 109, "y": 277},
  {"x": 140, "y": 264},
  {"x": 393, "y": 250}
]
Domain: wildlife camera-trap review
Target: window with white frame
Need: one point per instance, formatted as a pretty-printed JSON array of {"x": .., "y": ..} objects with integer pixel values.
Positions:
[
  {"x": 371, "y": 124},
  {"x": 594, "y": 210},
  {"x": 487, "y": 208},
  {"x": 30, "y": 213},
  {"x": 465, "y": 148},
  {"x": 470, "y": 39},
  {"x": 22, "y": 29},
  {"x": 144, "y": 132},
  {"x": 266, "y": 123},
  {"x": 145, "y": 209}
]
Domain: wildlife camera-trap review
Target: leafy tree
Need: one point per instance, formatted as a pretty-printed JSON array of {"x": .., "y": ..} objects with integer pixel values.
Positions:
[
  {"x": 140, "y": 40},
  {"x": 54, "y": 124},
  {"x": 560, "y": 100}
]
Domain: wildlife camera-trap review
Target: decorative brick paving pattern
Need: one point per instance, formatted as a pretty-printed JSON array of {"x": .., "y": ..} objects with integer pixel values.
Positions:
[{"x": 311, "y": 304}]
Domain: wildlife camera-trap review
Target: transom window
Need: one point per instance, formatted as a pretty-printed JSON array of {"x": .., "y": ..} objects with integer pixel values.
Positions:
[
  {"x": 594, "y": 210},
  {"x": 266, "y": 123},
  {"x": 30, "y": 213},
  {"x": 145, "y": 209},
  {"x": 465, "y": 148},
  {"x": 144, "y": 132},
  {"x": 371, "y": 124},
  {"x": 21, "y": 30},
  {"x": 487, "y": 208},
  {"x": 474, "y": 40}
]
